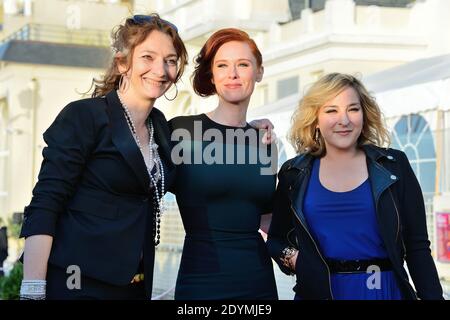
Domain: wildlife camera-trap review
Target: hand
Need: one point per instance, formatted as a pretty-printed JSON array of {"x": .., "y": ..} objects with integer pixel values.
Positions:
[
  {"x": 293, "y": 261},
  {"x": 265, "y": 124}
]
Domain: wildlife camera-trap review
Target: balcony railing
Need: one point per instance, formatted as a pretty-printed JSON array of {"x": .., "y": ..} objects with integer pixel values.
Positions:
[{"x": 60, "y": 34}]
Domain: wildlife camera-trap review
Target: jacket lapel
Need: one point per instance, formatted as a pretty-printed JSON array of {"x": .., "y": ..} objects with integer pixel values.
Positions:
[
  {"x": 162, "y": 136},
  {"x": 380, "y": 177},
  {"x": 124, "y": 141}
]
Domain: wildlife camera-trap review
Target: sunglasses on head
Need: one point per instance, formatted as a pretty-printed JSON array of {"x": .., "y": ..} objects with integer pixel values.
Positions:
[{"x": 141, "y": 18}]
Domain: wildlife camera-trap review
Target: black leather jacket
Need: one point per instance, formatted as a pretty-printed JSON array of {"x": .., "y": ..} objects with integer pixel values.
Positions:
[{"x": 400, "y": 214}]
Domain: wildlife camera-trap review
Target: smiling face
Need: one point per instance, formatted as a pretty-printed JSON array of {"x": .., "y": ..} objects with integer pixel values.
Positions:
[
  {"x": 235, "y": 72},
  {"x": 340, "y": 121},
  {"x": 153, "y": 68}
]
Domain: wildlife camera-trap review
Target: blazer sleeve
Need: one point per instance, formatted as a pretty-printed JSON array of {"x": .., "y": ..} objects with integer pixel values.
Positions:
[
  {"x": 414, "y": 232},
  {"x": 70, "y": 140},
  {"x": 282, "y": 224}
]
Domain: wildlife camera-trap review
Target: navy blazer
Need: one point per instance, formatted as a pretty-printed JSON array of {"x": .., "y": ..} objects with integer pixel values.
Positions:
[{"x": 93, "y": 195}]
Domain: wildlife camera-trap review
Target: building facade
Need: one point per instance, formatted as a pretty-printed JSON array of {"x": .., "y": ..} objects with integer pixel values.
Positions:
[
  {"x": 50, "y": 51},
  {"x": 300, "y": 41}
]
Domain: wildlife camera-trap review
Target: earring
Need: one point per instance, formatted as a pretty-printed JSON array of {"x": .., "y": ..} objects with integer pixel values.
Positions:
[
  {"x": 316, "y": 136},
  {"x": 176, "y": 93},
  {"x": 123, "y": 84}
]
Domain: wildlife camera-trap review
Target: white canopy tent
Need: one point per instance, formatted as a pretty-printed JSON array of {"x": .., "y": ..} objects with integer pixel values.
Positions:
[
  {"x": 416, "y": 87},
  {"x": 413, "y": 87}
]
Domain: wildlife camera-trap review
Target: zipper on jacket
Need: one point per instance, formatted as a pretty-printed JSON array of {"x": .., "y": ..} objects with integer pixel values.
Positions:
[
  {"x": 320, "y": 255},
  {"x": 401, "y": 239},
  {"x": 398, "y": 225}
]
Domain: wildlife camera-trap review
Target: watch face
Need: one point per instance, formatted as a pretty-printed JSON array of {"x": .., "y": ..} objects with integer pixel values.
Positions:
[{"x": 288, "y": 251}]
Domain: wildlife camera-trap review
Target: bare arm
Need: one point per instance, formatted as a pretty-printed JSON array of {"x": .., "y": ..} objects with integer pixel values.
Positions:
[
  {"x": 265, "y": 222},
  {"x": 36, "y": 253}
]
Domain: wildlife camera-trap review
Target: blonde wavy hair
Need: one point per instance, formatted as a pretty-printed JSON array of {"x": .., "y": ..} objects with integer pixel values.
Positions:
[
  {"x": 125, "y": 38},
  {"x": 305, "y": 117}
]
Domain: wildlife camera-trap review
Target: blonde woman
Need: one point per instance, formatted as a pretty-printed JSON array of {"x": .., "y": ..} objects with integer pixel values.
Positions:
[{"x": 348, "y": 212}]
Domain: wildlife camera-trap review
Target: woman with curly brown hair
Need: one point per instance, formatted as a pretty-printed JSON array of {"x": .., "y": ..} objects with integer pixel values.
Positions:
[{"x": 93, "y": 222}]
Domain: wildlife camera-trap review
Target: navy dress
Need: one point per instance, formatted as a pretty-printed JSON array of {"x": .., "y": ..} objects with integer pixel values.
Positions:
[
  {"x": 224, "y": 256},
  {"x": 345, "y": 227}
]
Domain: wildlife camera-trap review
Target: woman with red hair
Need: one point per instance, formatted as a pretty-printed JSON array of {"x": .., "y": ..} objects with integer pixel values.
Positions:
[{"x": 223, "y": 196}]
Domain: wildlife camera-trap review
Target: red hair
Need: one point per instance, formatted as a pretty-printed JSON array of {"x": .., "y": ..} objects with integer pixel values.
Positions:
[{"x": 202, "y": 76}]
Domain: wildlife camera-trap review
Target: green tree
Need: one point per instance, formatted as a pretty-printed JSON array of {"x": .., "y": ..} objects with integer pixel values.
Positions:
[{"x": 10, "y": 285}]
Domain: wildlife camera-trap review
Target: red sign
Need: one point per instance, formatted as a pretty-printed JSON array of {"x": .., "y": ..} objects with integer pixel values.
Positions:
[{"x": 443, "y": 236}]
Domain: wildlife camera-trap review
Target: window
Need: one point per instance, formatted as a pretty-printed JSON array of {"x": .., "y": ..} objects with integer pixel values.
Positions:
[
  {"x": 413, "y": 136},
  {"x": 384, "y": 3},
  {"x": 296, "y": 6},
  {"x": 287, "y": 87}
]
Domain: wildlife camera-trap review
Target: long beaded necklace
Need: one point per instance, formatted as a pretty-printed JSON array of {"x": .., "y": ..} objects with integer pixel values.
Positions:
[{"x": 156, "y": 172}]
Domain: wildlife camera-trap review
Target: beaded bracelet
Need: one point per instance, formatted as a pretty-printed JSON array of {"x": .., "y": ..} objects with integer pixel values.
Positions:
[{"x": 33, "y": 289}]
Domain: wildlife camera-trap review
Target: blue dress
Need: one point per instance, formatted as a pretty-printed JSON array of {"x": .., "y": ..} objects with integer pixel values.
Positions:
[{"x": 344, "y": 225}]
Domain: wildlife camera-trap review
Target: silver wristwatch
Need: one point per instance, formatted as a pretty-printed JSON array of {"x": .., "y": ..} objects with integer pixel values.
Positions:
[{"x": 286, "y": 256}]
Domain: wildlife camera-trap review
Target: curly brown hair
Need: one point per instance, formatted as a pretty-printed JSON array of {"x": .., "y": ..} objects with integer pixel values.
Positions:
[{"x": 125, "y": 38}]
